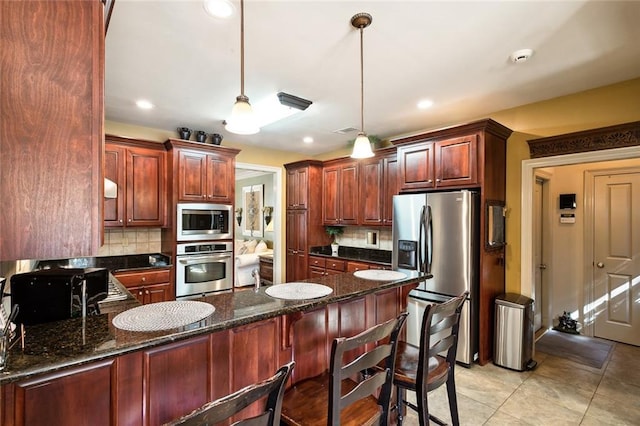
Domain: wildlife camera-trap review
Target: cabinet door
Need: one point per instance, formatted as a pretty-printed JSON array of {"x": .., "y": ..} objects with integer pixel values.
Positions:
[
  {"x": 455, "y": 161},
  {"x": 348, "y": 194},
  {"x": 371, "y": 190},
  {"x": 145, "y": 187},
  {"x": 78, "y": 396},
  {"x": 114, "y": 170},
  {"x": 157, "y": 293},
  {"x": 52, "y": 126},
  {"x": 296, "y": 245},
  {"x": 297, "y": 181},
  {"x": 330, "y": 201},
  {"x": 416, "y": 166},
  {"x": 192, "y": 176},
  {"x": 220, "y": 179},
  {"x": 390, "y": 166}
]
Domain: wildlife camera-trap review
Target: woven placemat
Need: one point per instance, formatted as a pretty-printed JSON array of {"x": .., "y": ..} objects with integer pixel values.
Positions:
[
  {"x": 298, "y": 291},
  {"x": 379, "y": 275},
  {"x": 163, "y": 315}
]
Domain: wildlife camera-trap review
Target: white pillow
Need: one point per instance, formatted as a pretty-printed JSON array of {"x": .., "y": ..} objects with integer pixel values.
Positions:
[
  {"x": 251, "y": 246},
  {"x": 261, "y": 247}
]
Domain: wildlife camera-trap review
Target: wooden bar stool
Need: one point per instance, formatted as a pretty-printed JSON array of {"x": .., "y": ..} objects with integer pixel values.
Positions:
[
  {"x": 422, "y": 369},
  {"x": 335, "y": 398},
  {"x": 223, "y": 408}
]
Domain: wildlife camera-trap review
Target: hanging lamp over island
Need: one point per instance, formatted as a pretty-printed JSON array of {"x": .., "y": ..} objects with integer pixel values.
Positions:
[
  {"x": 362, "y": 144},
  {"x": 242, "y": 120}
]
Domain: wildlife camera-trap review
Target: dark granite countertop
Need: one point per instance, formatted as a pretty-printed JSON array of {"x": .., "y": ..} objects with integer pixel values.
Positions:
[
  {"x": 57, "y": 345},
  {"x": 112, "y": 263},
  {"x": 382, "y": 257}
]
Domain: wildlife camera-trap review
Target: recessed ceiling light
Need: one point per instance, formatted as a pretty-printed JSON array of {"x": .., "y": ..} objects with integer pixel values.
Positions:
[
  {"x": 425, "y": 103},
  {"x": 219, "y": 8},
  {"x": 307, "y": 139},
  {"x": 521, "y": 55},
  {"x": 144, "y": 104}
]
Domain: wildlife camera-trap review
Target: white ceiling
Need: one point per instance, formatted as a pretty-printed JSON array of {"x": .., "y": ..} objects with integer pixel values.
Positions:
[{"x": 452, "y": 52}]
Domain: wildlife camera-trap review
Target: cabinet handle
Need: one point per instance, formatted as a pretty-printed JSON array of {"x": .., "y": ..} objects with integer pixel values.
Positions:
[
  {"x": 120, "y": 221},
  {"x": 437, "y": 180},
  {"x": 147, "y": 292},
  {"x": 143, "y": 279},
  {"x": 140, "y": 293},
  {"x": 129, "y": 219},
  {"x": 430, "y": 181}
]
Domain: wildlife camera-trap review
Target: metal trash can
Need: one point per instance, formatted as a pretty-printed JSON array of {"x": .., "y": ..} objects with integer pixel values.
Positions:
[{"x": 513, "y": 345}]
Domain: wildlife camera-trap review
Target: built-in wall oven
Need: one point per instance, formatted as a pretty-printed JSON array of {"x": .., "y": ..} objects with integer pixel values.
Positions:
[
  {"x": 204, "y": 221},
  {"x": 203, "y": 268}
]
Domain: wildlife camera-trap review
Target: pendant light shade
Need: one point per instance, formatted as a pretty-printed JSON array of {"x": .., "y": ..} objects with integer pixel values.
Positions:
[
  {"x": 362, "y": 145},
  {"x": 242, "y": 120}
]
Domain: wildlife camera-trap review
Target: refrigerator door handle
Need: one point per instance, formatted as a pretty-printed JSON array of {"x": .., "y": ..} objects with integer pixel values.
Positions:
[
  {"x": 429, "y": 246},
  {"x": 421, "y": 265}
]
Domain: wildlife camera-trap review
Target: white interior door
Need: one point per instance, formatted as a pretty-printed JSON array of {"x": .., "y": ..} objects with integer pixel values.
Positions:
[{"x": 616, "y": 263}]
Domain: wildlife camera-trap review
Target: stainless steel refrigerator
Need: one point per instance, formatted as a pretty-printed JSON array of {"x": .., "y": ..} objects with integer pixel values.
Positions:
[{"x": 438, "y": 233}]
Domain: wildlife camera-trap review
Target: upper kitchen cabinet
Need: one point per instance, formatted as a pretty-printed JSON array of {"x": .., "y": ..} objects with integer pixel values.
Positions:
[
  {"x": 139, "y": 170},
  {"x": 468, "y": 156},
  {"x": 51, "y": 129},
  {"x": 205, "y": 173},
  {"x": 298, "y": 188},
  {"x": 432, "y": 164},
  {"x": 378, "y": 185},
  {"x": 340, "y": 192}
]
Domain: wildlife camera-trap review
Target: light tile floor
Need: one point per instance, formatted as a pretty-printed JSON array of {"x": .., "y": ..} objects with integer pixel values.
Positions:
[{"x": 557, "y": 392}]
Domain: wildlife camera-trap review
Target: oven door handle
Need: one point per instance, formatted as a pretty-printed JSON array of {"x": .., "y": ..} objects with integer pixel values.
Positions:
[{"x": 197, "y": 259}]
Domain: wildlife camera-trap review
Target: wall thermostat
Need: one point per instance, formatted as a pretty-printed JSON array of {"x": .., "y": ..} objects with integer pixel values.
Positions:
[{"x": 567, "y": 201}]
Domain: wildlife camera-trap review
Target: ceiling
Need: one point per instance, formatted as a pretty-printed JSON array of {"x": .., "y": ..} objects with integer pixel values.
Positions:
[{"x": 454, "y": 53}]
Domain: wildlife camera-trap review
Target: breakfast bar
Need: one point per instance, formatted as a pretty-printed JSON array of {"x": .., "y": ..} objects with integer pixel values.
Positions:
[{"x": 87, "y": 371}]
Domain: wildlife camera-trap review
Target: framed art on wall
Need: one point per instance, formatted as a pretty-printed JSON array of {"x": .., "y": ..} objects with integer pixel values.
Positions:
[{"x": 252, "y": 203}]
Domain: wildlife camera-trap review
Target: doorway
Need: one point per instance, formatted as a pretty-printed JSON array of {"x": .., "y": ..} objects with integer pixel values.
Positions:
[
  {"x": 527, "y": 253},
  {"x": 542, "y": 252},
  {"x": 272, "y": 177}
]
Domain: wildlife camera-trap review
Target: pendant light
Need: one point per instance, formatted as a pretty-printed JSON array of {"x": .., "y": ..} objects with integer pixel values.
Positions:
[
  {"x": 362, "y": 145},
  {"x": 242, "y": 120}
]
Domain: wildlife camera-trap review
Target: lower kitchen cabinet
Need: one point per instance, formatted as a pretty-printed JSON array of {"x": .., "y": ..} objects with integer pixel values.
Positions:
[
  {"x": 148, "y": 286},
  {"x": 78, "y": 396}
]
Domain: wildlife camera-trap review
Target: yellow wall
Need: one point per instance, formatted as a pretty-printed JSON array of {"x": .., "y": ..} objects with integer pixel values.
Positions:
[{"x": 606, "y": 106}]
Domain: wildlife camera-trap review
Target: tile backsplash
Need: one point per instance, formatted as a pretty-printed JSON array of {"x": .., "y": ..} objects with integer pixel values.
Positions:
[
  {"x": 131, "y": 241},
  {"x": 356, "y": 236}
]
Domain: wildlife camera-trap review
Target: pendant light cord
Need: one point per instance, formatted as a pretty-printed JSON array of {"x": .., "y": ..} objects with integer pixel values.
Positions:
[
  {"x": 242, "y": 48},
  {"x": 361, "y": 80}
]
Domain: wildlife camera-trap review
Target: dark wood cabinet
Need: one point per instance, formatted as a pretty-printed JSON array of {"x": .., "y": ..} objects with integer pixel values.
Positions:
[
  {"x": 149, "y": 286},
  {"x": 378, "y": 185},
  {"x": 470, "y": 156},
  {"x": 304, "y": 216},
  {"x": 82, "y": 395},
  {"x": 322, "y": 266},
  {"x": 51, "y": 129},
  {"x": 297, "y": 188},
  {"x": 266, "y": 269},
  {"x": 340, "y": 192},
  {"x": 203, "y": 173},
  {"x": 139, "y": 170},
  {"x": 296, "y": 244},
  {"x": 447, "y": 163}
]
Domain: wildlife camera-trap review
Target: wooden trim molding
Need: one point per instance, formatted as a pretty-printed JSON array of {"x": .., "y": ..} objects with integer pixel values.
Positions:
[{"x": 618, "y": 136}]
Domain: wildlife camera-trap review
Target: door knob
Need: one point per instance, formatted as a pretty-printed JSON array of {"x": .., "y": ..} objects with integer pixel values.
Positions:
[
  {"x": 600, "y": 265},
  {"x": 542, "y": 266}
]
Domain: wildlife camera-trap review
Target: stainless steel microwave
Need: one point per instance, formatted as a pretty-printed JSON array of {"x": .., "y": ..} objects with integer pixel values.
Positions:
[{"x": 203, "y": 221}]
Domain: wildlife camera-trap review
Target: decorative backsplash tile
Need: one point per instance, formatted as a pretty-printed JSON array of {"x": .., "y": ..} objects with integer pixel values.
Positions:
[
  {"x": 126, "y": 241},
  {"x": 354, "y": 236}
]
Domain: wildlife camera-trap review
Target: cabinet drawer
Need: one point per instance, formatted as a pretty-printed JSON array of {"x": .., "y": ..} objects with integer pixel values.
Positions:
[
  {"x": 357, "y": 266},
  {"x": 129, "y": 279},
  {"x": 336, "y": 265},
  {"x": 317, "y": 262}
]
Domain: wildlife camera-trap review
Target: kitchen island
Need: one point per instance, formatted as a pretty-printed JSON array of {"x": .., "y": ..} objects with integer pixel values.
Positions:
[{"x": 89, "y": 372}]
